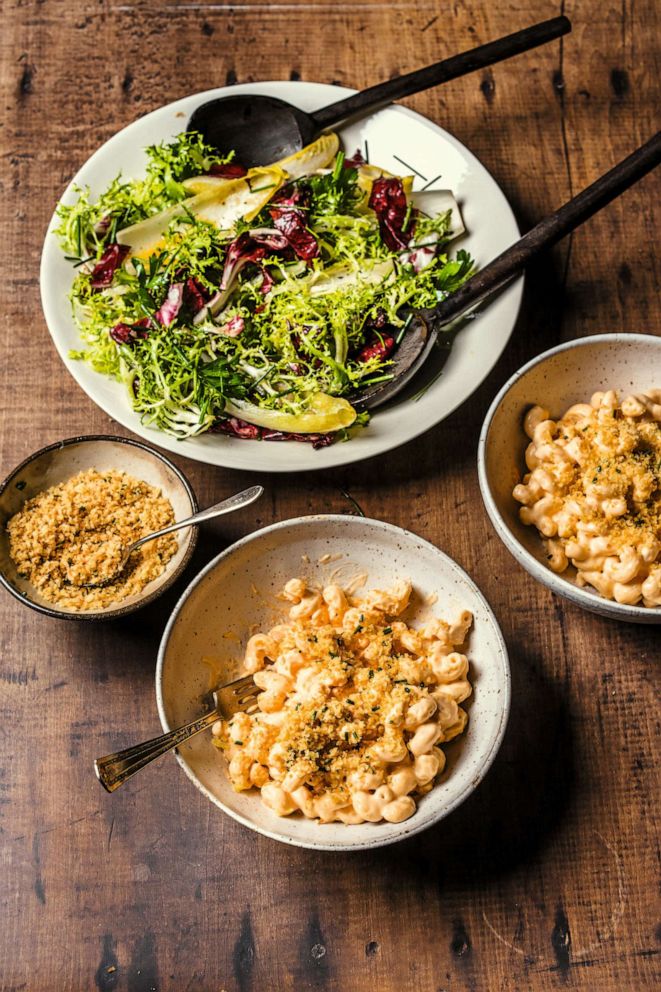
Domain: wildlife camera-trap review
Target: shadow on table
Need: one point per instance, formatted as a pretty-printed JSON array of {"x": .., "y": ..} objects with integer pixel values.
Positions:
[
  {"x": 515, "y": 810},
  {"x": 133, "y": 641}
]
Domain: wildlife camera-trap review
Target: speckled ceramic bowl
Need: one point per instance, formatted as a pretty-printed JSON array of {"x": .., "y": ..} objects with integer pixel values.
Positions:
[
  {"x": 59, "y": 462},
  {"x": 556, "y": 379},
  {"x": 236, "y": 594}
]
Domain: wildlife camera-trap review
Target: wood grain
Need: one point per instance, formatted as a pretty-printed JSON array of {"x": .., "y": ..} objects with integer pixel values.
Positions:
[{"x": 547, "y": 877}]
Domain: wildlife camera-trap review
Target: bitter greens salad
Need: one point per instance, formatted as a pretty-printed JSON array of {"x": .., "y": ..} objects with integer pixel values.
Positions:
[{"x": 255, "y": 303}]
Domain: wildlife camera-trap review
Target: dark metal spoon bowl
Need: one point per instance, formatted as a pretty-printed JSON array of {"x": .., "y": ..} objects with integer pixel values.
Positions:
[
  {"x": 262, "y": 129},
  {"x": 426, "y": 325},
  {"x": 259, "y": 129}
]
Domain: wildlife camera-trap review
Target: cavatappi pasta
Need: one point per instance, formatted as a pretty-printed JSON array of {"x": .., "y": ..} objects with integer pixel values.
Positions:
[
  {"x": 593, "y": 491},
  {"x": 355, "y": 704}
]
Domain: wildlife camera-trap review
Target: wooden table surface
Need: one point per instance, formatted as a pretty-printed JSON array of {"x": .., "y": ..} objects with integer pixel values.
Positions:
[{"x": 547, "y": 877}]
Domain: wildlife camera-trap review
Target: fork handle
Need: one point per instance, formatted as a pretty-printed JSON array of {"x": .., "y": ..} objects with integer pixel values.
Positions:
[{"x": 113, "y": 770}]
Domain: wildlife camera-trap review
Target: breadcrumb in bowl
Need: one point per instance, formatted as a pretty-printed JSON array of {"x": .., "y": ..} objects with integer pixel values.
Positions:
[{"x": 156, "y": 493}]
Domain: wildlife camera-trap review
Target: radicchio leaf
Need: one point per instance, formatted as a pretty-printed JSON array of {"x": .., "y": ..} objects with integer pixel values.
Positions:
[
  {"x": 378, "y": 321},
  {"x": 183, "y": 299},
  {"x": 195, "y": 295},
  {"x": 380, "y": 347},
  {"x": 254, "y": 246},
  {"x": 292, "y": 195},
  {"x": 130, "y": 333},
  {"x": 103, "y": 226},
  {"x": 355, "y": 161},
  {"x": 267, "y": 282},
  {"x": 236, "y": 427},
  {"x": 251, "y": 246},
  {"x": 169, "y": 309},
  {"x": 290, "y": 221},
  {"x": 381, "y": 340},
  {"x": 228, "y": 170},
  {"x": 388, "y": 201},
  {"x": 104, "y": 270},
  {"x": 316, "y": 440},
  {"x": 422, "y": 254}
]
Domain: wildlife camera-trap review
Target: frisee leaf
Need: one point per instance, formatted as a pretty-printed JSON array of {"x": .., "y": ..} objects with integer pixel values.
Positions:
[{"x": 291, "y": 343}]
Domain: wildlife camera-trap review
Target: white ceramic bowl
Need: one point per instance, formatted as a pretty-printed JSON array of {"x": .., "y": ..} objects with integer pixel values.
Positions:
[
  {"x": 235, "y": 594},
  {"x": 393, "y": 137},
  {"x": 556, "y": 379},
  {"x": 59, "y": 462}
]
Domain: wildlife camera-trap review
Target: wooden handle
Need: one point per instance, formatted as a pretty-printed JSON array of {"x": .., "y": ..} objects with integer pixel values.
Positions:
[
  {"x": 513, "y": 260},
  {"x": 442, "y": 72}
]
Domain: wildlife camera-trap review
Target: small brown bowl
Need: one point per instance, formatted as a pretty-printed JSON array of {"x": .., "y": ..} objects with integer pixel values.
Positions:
[{"x": 58, "y": 462}]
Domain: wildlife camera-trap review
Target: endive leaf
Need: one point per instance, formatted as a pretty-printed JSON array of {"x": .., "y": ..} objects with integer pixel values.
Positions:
[
  {"x": 316, "y": 156},
  {"x": 222, "y": 205},
  {"x": 324, "y": 413}
]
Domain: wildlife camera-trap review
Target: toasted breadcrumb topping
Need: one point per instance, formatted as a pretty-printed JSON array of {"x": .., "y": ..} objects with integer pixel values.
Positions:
[
  {"x": 354, "y": 704},
  {"x": 75, "y": 533}
]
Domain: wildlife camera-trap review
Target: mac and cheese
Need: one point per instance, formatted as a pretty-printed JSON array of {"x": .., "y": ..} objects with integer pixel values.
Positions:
[
  {"x": 353, "y": 708},
  {"x": 593, "y": 491}
]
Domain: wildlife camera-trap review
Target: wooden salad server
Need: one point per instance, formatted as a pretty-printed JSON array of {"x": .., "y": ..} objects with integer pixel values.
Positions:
[
  {"x": 262, "y": 129},
  {"x": 426, "y": 325}
]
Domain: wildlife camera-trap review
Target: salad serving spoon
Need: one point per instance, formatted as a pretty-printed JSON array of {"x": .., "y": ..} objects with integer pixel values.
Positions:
[
  {"x": 425, "y": 325},
  {"x": 235, "y": 502},
  {"x": 262, "y": 129}
]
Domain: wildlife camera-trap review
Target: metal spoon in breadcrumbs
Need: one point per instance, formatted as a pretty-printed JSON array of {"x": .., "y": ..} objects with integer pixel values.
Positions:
[{"x": 226, "y": 506}]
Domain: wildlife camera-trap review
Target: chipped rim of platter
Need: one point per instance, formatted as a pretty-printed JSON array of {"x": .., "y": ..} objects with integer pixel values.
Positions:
[
  {"x": 474, "y": 353},
  {"x": 421, "y": 820}
]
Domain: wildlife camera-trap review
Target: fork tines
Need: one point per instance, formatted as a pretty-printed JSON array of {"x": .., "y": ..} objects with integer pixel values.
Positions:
[
  {"x": 238, "y": 695},
  {"x": 245, "y": 688}
]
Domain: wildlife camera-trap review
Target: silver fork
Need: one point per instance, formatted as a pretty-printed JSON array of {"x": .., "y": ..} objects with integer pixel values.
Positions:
[{"x": 239, "y": 696}]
